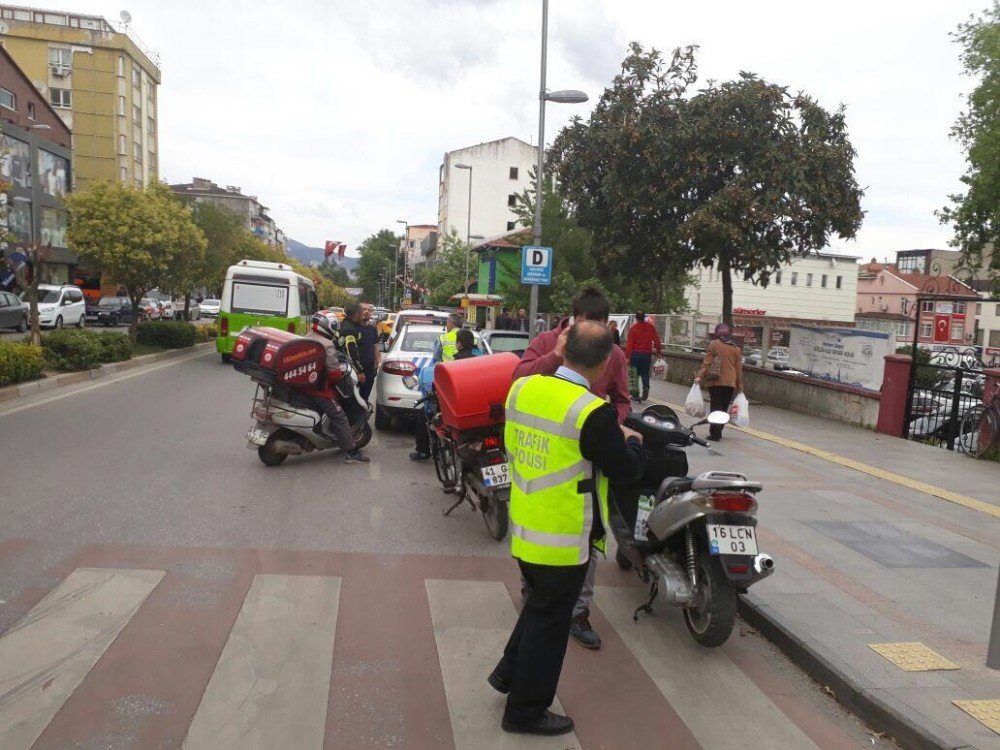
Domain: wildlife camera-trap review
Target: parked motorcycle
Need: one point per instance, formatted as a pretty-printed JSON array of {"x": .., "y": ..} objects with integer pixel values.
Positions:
[{"x": 693, "y": 540}]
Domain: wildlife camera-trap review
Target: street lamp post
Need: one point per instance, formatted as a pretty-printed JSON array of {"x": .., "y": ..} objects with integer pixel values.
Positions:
[
  {"x": 406, "y": 235},
  {"x": 560, "y": 97}
]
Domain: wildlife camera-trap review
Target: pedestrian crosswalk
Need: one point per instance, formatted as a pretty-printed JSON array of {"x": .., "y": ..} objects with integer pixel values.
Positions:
[{"x": 274, "y": 682}]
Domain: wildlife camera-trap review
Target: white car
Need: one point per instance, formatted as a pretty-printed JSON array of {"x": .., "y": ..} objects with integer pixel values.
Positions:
[
  {"x": 210, "y": 307},
  {"x": 413, "y": 315},
  {"x": 60, "y": 306},
  {"x": 411, "y": 350}
]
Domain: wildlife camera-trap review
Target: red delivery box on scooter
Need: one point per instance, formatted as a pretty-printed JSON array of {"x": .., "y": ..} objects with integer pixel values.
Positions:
[
  {"x": 278, "y": 357},
  {"x": 472, "y": 392}
]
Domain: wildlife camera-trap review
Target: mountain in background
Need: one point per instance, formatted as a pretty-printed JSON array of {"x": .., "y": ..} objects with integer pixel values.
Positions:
[{"x": 314, "y": 256}]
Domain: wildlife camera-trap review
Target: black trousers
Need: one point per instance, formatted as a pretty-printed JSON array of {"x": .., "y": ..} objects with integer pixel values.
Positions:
[
  {"x": 533, "y": 659},
  {"x": 420, "y": 437},
  {"x": 642, "y": 361},
  {"x": 366, "y": 387},
  {"x": 720, "y": 397}
]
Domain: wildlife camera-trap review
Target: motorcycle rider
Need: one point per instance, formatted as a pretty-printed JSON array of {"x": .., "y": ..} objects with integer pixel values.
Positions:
[{"x": 324, "y": 330}]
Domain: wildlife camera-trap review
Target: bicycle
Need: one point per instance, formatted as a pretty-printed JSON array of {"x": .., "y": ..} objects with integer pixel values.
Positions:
[{"x": 980, "y": 428}]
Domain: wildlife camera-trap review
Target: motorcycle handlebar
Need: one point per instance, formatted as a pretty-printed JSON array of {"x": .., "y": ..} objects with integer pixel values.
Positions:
[{"x": 698, "y": 441}]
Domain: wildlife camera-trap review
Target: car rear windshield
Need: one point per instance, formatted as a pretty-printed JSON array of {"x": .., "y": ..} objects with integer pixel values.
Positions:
[
  {"x": 112, "y": 302},
  {"x": 419, "y": 341},
  {"x": 504, "y": 343},
  {"x": 259, "y": 299},
  {"x": 210, "y": 302}
]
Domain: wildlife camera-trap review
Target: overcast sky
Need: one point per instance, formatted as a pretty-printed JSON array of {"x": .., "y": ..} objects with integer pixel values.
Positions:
[{"x": 337, "y": 114}]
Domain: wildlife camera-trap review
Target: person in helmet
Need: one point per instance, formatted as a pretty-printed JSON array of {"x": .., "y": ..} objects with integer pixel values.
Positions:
[{"x": 325, "y": 330}]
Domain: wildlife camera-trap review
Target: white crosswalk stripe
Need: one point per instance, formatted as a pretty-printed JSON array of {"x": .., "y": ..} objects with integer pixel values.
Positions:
[
  {"x": 472, "y": 621},
  {"x": 49, "y": 653},
  {"x": 270, "y": 688}
]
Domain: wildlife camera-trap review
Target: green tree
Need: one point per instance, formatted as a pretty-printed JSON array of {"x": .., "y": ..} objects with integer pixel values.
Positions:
[
  {"x": 132, "y": 235},
  {"x": 378, "y": 256},
  {"x": 186, "y": 269},
  {"x": 224, "y": 233},
  {"x": 446, "y": 277},
  {"x": 741, "y": 175},
  {"x": 975, "y": 214},
  {"x": 336, "y": 273}
]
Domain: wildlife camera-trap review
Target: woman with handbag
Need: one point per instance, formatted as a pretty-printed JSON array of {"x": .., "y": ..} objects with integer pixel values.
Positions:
[{"x": 722, "y": 372}]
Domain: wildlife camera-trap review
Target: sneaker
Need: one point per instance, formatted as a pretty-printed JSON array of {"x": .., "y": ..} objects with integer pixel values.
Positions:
[
  {"x": 419, "y": 456},
  {"x": 581, "y": 630},
  {"x": 357, "y": 457}
]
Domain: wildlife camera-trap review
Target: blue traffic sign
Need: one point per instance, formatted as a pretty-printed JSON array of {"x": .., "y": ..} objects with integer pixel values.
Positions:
[{"x": 536, "y": 265}]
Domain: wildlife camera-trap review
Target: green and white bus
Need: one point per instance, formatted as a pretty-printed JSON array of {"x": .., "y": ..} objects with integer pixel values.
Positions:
[{"x": 257, "y": 293}]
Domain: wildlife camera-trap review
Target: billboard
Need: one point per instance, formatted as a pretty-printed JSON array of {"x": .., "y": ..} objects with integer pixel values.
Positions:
[{"x": 844, "y": 355}]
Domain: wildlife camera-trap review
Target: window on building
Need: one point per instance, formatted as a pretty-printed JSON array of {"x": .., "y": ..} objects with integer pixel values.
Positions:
[
  {"x": 960, "y": 308},
  {"x": 904, "y": 305},
  {"x": 123, "y": 174},
  {"x": 777, "y": 277},
  {"x": 902, "y": 329},
  {"x": 809, "y": 279},
  {"x": 927, "y": 306},
  {"x": 62, "y": 98},
  {"x": 150, "y": 125},
  {"x": 120, "y": 69},
  {"x": 138, "y": 183},
  {"x": 997, "y": 311},
  {"x": 840, "y": 282},
  {"x": 152, "y": 158},
  {"x": 795, "y": 278},
  {"x": 137, "y": 152},
  {"x": 136, "y": 77},
  {"x": 822, "y": 281},
  {"x": 512, "y": 200},
  {"x": 121, "y": 106},
  {"x": 994, "y": 338},
  {"x": 122, "y": 146},
  {"x": 60, "y": 57},
  {"x": 510, "y": 226},
  {"x": 513, "y": 173},
  {"x": 136, "y": 114},
  {"x": 979, "y": 308},
  {"x": 31, "y": 110},
  {"x": 7, "y": 100},
  {"x": 958, "y": 330},
  {"x": 926, "y": 330}
]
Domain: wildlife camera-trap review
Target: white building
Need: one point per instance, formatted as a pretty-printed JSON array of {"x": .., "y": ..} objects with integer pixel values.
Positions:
[
  {"x": 817, "y": 289},
  {"x": 988, "y": 327},
  {"x": 500, "y": 171}
]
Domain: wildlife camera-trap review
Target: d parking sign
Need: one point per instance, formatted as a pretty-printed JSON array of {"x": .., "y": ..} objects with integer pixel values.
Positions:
[{"x": 536, "y": 265}]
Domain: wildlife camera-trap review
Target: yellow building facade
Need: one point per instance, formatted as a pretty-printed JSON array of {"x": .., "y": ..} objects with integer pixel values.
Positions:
[{"x": 101, "y": 82}]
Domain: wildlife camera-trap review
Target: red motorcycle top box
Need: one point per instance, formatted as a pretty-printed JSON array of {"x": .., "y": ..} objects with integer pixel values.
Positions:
[
  {"x": 273, "y": 356},
  {"x": 472, "y": 392}
]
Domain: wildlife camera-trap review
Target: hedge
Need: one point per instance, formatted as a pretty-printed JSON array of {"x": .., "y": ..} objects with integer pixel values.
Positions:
[
  {"x": 69, "y": 349},
  {"x": 20, "y": 362},
  {"x": 168, "y": 334},
  {"x": 205, "y": 332}
]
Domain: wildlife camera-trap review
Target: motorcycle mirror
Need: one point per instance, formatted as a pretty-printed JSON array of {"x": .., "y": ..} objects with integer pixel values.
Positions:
[{"x": 718, "y": 417}]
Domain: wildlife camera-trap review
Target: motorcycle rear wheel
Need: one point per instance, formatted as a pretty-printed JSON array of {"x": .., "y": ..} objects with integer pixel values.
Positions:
[
  {"x": 496, "y": 515},
  {"x": 711, "y": 623},
  {"x": 446, "y": 463},
  {"x": 268, "y": 455}
]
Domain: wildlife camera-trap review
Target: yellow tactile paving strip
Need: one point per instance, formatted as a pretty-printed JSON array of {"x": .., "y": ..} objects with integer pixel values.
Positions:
[
  {"x": 986, "y": 712},
  {"x": 850, "y": 463},
  {"x": 912, "y": 657}
]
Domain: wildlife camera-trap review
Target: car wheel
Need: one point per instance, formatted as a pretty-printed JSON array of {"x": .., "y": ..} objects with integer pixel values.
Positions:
[
  {"x": 58, "y": 323},
  {"x": 81, "y": 322},
  {"x": 227, "y": 358},
  {"x": 382, "y": 420},
  {"x": 23, "y": 325}
]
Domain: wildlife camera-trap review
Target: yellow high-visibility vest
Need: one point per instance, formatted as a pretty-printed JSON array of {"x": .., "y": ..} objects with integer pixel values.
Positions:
[
  {"x": 552, "y": 484},
  {"x": 449, "y": 344}
]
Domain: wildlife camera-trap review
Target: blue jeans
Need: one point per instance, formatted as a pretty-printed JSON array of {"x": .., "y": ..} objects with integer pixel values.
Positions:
[{"x": 642, "y": 361}]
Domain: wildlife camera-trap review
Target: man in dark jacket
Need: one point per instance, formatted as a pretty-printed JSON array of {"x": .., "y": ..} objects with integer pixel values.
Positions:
[{"x": 503, "y": 321}]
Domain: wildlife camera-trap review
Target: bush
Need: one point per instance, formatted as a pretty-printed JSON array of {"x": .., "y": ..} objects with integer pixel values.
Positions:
[
  {"x": 166, "y": 334},
  {"x": 83, "y": 350},
  {"x": 205, "y": 332},
  {"x": 20, "y": 362}
]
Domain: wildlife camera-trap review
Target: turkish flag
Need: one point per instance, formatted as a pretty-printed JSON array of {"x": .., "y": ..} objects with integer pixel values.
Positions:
[
  {"x": 942, "y": 329},
  {"x": 330, "y": 248},
  {"x": 341, "y": 250}
]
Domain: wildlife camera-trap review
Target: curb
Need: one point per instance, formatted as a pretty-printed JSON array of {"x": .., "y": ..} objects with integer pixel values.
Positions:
[
  {"x": 908, "y": 727},
  {"x": 11, "y": 392}
]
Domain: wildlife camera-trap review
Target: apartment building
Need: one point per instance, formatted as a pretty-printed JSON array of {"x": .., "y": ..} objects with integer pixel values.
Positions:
[
  {"x": 253, "y": 213},
  {"x": 100, "y": 79}
]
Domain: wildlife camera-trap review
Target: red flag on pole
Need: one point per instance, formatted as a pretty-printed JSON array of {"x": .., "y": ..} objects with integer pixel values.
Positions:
[
  {"x": 330, "y": 248},
  {"x": 341, "y": 250}
]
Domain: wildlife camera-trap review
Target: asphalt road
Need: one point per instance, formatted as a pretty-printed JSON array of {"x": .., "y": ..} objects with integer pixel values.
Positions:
[{"x": 166, "y": 570}]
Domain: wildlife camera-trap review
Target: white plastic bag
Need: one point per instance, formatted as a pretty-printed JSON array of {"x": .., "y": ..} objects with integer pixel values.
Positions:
[
  {"x": 660, "y": 368},
  {"x": 742, "y": 407},
  {"x": 695, "y": 403}
]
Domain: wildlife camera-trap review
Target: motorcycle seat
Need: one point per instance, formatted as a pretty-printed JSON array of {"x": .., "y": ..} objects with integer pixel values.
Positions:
[{"x": 675, "y": 486}]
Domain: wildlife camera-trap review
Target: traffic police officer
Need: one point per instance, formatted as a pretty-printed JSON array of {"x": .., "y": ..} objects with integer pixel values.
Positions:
[
  {"x": 564, "y": 444},
  {"x": 446, "y": 349}
]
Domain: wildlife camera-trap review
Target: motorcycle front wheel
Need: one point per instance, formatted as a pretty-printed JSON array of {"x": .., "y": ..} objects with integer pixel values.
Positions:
[
  {"x": 362, "y": 434},
  {"x": 711, "y": 621},
  {"x": 496, "y": 514}
]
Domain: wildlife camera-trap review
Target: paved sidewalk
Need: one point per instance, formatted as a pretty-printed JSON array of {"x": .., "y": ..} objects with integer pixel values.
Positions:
[{"x": 865, "y": 558}]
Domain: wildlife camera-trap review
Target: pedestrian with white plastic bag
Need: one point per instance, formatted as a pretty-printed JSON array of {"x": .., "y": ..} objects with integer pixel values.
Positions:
[
  {"x": 695, "y": 403},
  {"x": 660, "y": 368},
  {"x": 741, "y": 411},
  {"x": 722, "y": 371}
]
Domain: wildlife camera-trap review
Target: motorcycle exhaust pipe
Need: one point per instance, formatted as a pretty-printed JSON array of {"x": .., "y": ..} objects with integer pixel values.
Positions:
[{"x": 763, "y": 566}]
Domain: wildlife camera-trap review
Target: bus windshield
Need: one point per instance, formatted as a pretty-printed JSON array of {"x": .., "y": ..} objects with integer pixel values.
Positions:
[{"x": 259, "y": 299}]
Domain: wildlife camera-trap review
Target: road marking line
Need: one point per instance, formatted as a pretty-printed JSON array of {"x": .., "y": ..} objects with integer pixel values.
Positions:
[
  {"x": 107, "y": 380},
  {"x": 272, "y": 683},
  {"x": 849, "y": 463},
  {"x": 50, "y": 652},
  {"x": 472, "y": 622},
  {"x": 664, "y": 649}
]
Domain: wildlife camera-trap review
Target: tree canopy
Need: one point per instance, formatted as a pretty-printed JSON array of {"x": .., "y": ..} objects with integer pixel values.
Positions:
[
  {"x": 742, "y": 174},
  {"x": 378, "y": 255},
  {"x": 446, "y": 277},
  {"x": 975, "y": 214}
]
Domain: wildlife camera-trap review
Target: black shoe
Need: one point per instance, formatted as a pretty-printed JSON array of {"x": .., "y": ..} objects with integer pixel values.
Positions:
[
  {"x": 584, "y": 633},
  {"x": 714, "y": 439},
  {"x": 497, "y": 682},
  {"x": 419, "y": 456},
  {"x": 357, "y": 457},
  {"x": 548, "y": 724}
]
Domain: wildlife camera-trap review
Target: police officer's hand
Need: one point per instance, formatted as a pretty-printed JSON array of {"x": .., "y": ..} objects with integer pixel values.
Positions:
[
  {"x": 560, "y": 349},
  {"x": 629, "y": 433}
]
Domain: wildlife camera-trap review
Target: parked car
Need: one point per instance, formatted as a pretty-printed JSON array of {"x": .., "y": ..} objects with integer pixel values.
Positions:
[
  {"x": 194, "y": 310},
  {"x": 166, "y": 308},
  {"x": 507, "y": 341},
  {"x": 424, "y": 315},
  {"x": 13, "y": 312},
  {"x": 210, "y": 307},
  {"x": 150, "y": 308},
  {"x": 60, "y": 306},
  {"x": 114, "y": 311},
  {"x": 412, "y": 349}
]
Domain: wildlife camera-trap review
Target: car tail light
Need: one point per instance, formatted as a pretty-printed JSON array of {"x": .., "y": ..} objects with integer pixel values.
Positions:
[
  {"x": 491, "y": 442},
  {"x": 224, "y": 327},
  {"x": 737, "y": 501},
  {"x": 398, "y": 367},
  {"x": 741, "y": 570}
]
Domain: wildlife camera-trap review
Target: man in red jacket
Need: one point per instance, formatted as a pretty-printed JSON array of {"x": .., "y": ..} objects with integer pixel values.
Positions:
[
  {"x": 642, "y": 341},
  {"x": 544, "y": 356}
]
